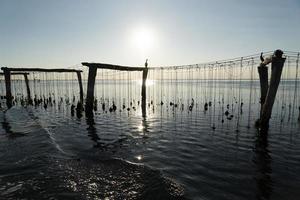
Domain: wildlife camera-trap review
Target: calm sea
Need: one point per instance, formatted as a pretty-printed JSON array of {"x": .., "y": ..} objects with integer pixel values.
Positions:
[{"x": 179, "y": 151}]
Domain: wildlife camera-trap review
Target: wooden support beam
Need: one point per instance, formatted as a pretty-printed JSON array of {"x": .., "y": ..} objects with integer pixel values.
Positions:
[
  {"x": 16, "y": 73},
  {"x": 112, "y": 67},
  {"x": 28, "y": 89},
  {"x": 40, "y": 70},
  {"x": 7, "y": 77},
  {"x": 277, "y": 66},
  {"x": 90, "y": 91},
  {"x": 80, "y": 86}
]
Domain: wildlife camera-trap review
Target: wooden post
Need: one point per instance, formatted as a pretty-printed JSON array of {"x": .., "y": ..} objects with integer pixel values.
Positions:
[
  {"x": 145, "y": 73},
  {"x": 277, "y": 66},
  {"x": 7, "y": 86},
  {"x": 27, "y": 88},
  {"x": 80, "y": 86},
  {"x": 264, "y": 85},
  {"x": 90, "y": 91}
]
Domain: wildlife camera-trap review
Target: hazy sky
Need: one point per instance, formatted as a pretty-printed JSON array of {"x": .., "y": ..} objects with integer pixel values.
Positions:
[{"x": 62, "y": 33}]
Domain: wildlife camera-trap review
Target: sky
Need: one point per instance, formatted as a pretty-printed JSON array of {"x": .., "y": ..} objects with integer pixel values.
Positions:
[{"x": 64, "y": 33}]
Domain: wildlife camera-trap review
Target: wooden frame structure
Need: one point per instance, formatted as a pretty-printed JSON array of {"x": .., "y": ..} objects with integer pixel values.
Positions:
[
  {"x": 25, "y": 74},
  {"x": 12, "y": 71},
  {"x": 92, "y": 78}
]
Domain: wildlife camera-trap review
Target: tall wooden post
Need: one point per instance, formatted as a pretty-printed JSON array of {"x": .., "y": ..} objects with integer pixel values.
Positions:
[
  {"x": 27, "y": 88},
  {"x": 90, "y": 91},
  {"x": 7, "y": 76},
  {"x": 145, "y": 73},
  {"x": 80, "y": 86},
  {"x": 264, "y": 85},
  {"x": 277, "y": 66}
]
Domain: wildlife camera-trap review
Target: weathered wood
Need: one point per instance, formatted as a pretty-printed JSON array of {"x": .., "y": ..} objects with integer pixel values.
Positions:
[
  {"x": 112, "y": 67},
  {"x": 145, "y": 73},
  {"x": 277, "y": 66},
  {"x": 90, "y": 91},
  {"x": 16, "y": 73},
  {"x": 7, "y": 77},
  {"x": 264, "y": 85},
  {"x": 28, "y": 89},
  {"x": 24, "y": 71},
  {"x": 40, "y": 70},
  {"x": 80, "y": 86}
]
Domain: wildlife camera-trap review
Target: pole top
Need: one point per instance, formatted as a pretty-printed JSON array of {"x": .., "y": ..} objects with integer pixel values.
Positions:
[{"x": 278, "y": 53}]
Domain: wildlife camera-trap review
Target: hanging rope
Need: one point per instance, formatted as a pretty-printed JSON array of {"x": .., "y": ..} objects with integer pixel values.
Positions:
[{"x": 251, "y": 89}]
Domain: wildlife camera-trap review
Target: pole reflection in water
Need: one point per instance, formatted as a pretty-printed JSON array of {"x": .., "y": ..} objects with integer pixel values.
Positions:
[
  {"x": 143, "y": 131},
  {"x": 262, "y": 161},
  {"x": 92, "y": 131},
  {"x": 145, "y": 126}
]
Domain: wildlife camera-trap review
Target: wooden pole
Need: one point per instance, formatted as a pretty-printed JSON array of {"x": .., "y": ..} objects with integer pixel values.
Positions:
[
  {"x": 277, "y": 66},
  {"x": 80, "y": 86},
  {"x": 7, "y": 77},
  {"x": 145, "y": 73},
  {"x": 264, "y": 85},
  {"x": 90, "y": 91},
  {"x": 28, "y": 88}
]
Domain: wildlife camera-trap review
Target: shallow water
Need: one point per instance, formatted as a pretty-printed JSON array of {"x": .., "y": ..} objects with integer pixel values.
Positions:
[{"x": 170, "y": 154}]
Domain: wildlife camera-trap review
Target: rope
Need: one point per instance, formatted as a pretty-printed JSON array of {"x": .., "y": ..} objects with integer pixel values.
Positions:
[
  {"x": 250, "y": 97},
  {"x": 239, "y": 101},
  {"x": 296, "y": 85}
]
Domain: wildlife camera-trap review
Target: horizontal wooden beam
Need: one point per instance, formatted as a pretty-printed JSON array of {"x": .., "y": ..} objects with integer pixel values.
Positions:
[
  {"x": 16, "y": 73},
  {"x": 112, "y": 67},
  {"x": 39, "y": 70}
]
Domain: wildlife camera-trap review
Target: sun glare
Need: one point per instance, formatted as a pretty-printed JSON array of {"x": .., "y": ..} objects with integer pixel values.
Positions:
[
  {"x": 143, "y": 38},
  {"x": 149, "y": 82}
]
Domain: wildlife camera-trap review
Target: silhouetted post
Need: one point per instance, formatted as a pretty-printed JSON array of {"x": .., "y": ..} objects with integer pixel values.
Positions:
[
  {"x": 7, "y": 86},
  {"x": 277, "y": 66},
  {"x": 90, "y": 91},
  {"x": 264, "y": 85},
  {"x": 145, "y": 73},
  {"x": 27, "y": 88},
  {"x": 80, "y": 86}
]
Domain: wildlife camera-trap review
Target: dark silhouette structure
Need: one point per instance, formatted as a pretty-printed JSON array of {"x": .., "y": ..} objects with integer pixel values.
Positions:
[
  {"x": 92, "y": 78},
  {"x": 8, "y": 72},
  {"x": 268, "y": 92},
  {"x": 145, "y": 73}
]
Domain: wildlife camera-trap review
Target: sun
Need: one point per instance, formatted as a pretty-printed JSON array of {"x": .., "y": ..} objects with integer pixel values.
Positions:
[{"x": 143, "y": 38}]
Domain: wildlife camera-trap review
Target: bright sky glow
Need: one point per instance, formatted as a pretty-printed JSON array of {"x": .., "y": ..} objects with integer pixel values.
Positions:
[
  {"x": 143, "y": 38},
  {"x": 35, "y": 33}
]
